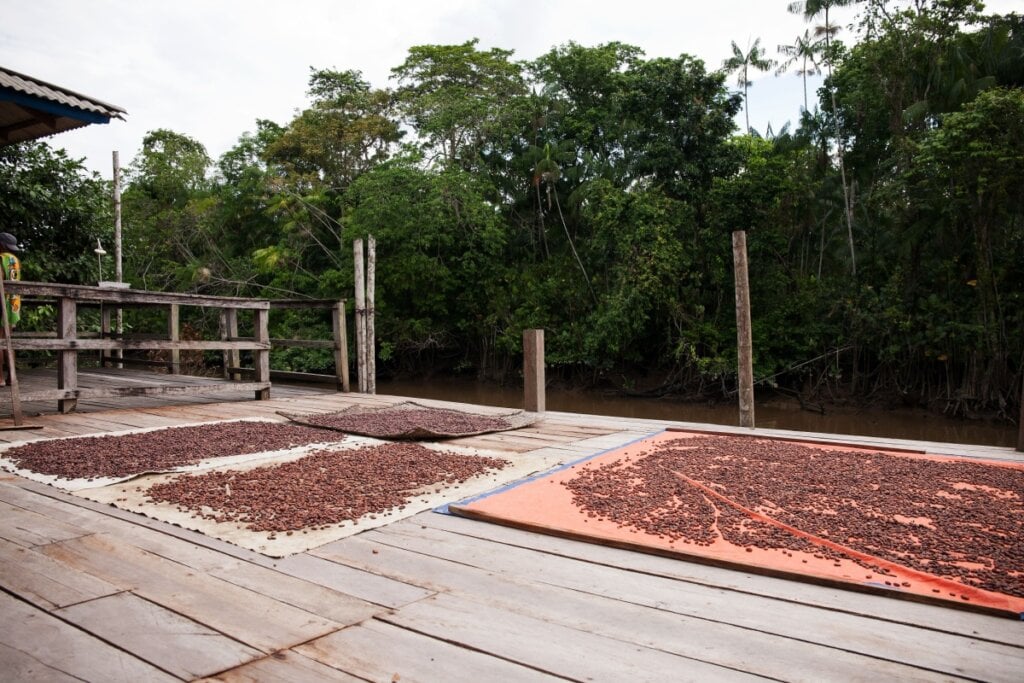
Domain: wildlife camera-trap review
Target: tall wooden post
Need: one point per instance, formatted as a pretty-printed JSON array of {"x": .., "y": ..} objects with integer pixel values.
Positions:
[
  {"x": 229, "y": 330},
  {"x": 1020, "y": 422},
  {"x": 744, "y": 344},
  {"x": 371, "y": 334},
  {"x": 533, "y": 371},
  {"x": 261, "y": 357},
  {"x": 118, "y": 271},
  {"x": 360, "y": 284},
  {"x": 174, "y": 334},
  {"x": 340, "y": 346},
  {"x": 67, "y": 363}
]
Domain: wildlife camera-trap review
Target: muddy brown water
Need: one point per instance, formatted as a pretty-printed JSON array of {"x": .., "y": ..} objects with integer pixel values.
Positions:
[{"x": 897, "y": 424}]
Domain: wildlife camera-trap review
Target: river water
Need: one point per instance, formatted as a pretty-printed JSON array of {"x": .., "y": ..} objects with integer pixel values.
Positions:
[{"x": 902, "y": 424}]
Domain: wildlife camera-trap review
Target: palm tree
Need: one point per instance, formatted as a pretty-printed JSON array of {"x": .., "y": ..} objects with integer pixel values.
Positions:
[
  {"x": 805, "y": 50},
  {"x": 810, "y": 9},
  {"x": 740, "y": 63}
]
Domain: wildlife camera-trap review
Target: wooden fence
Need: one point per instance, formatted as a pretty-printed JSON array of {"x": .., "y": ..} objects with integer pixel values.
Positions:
[{"x": 68, "y": 341}]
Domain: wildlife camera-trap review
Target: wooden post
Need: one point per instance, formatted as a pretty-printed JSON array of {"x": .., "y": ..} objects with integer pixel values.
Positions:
[
  {"x": 174, "y": 334},
  {"x": 744, "y": 345},
  {"x": 1020, "y": 422},
  {"x": 340, "y": 346},
  {"x": 371, "y": 336},
  {"x": 261, "y": 357},
  {"x": 357, "y": 254},
  {"x": 9, "y": 351},
  {"x": 533, "y": 370},
  {"x": 105, "y": 315},
  {"x": 118, "y": 272},
  {"x": 229, "y": 330},
  {"x": 67, "y": 362}
]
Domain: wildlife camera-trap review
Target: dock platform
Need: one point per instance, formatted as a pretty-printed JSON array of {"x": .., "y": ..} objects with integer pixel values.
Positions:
[{"x": 94, "y": 593}]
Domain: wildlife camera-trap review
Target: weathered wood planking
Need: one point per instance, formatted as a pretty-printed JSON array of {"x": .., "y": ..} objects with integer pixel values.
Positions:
[
  {"x": 45, "y": 583},
  {"x": 549, "y": 647},
  {"x": 382, "y": 652},
  {"x": 246, "y": 616},
  {"x": 167, "y": 640},
  {"x": 707, "y": 640},
  {"x": 929, "y": 617},
  {"x": 32, "y": 641},
  {"x": 930, "y": 650},
  {"x": 283, "y": 667}
]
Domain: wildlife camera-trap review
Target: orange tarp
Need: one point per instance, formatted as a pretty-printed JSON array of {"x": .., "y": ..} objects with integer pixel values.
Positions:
[{"x": 547, "y": 503}]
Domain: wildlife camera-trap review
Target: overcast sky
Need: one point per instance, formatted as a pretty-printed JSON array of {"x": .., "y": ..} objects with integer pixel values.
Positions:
[{"x": 209, "y": 68}]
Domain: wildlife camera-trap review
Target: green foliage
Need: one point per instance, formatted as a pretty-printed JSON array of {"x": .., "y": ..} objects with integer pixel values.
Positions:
[
  {"x": 592, "y": 192},
  {"x": 56, "y": 210}
]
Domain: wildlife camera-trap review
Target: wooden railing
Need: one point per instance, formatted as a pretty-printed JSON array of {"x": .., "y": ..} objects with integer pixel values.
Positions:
[
  {"x": 68, "y": 342},
  {"x": 338, "y": 343}
]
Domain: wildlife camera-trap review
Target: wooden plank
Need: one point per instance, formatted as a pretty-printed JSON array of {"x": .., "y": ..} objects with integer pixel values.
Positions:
[
  {"x": 158, "y": 636},
  {"x": 379, "y": 590},
  {"x": 246, "y": 616},
  {"x": 339, "y": 327},
  {"x": 70, "y": 344},
  {"x": 382, "y": 652},
  {"x": 551, "y": 648},
  {"x": 19, "y": 666},
  {"x": 174, "y": 336},
  {"x": 283, "y": 667},
  {"x": 29, "y": 529},
  {"x": 37, "y": 579},
  {"x": 130, "y": 296},
  {"x": 936, "y": 651},
  {"x": 706, "y": 640},
  {"x": 261, "y": 358},
  {"x": 303, "y": 343},
  {"x": 534, "y": 389},
  {"x": 66, "y": 394},
  {"x": 67, "y": 361},
  {"x": 932, "y": 617},
  {"x": 326, "y": 602},
  {"x": 35, "y": 635}
]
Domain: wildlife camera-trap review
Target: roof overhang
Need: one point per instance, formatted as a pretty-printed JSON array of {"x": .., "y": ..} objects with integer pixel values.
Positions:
[{"x": 30, "y": 108}]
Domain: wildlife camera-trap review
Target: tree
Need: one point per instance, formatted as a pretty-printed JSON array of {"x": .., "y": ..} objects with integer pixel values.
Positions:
[
  {"x": 804, "y": 50},
  {"x": 56, "y": 209},
  {"x": 459, "y": 99},
  {"x": 811, "y": 9},
  {"x": 741, "y": 63}
]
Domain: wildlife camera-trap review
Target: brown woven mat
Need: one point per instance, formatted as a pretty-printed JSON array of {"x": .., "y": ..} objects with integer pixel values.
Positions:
[{"x": 413, "y": 421}]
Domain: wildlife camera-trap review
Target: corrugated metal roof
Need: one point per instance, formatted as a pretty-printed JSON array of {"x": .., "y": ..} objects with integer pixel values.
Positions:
[{"x": 31, "y": 108}]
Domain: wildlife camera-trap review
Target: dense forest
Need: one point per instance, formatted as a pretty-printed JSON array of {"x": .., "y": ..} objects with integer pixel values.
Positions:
[{"x": 592, "y": 192}]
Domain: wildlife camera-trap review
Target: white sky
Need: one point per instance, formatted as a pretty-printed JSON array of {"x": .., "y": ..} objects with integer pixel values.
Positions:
[{"x": 209, "y": 68}]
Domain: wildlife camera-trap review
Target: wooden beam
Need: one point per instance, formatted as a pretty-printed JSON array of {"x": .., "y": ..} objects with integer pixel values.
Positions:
[
  {"x": 84, "y": 293},
  {"x": 75, "y": 345},
  {"x": 61, "y": 395},
  {"x": 338, "y": 322},
  {"x": 67, "y": 363},
  {"x": 744, "y": 345},
  {"x": 360, "y": 285},
  {"x": 174, "y": 336},
  {"x": 261, "y": 356},
  {"x": 371, "y": 333},
  {"x": 533, "y": 371}
]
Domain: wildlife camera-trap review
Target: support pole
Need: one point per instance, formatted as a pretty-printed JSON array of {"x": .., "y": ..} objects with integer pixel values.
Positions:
[
  {"x": 340, "y": 346},
  {"x": 67, "y": 359},
  {"x": 174, "y": 334},
  {"x": 533, "y": 371},
  {"x": 118, "y": 271},
  {"x": 1020, "y": 422},
  {"x": 744, "y": 344},
  {"x": 371, "y": 335},
  {"x": 360, "y": 285},
  {"x": 261, "y": 357}
]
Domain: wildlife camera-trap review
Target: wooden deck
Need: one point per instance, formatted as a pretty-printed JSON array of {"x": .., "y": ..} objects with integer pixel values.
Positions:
[{"x": 97, "y": 594}]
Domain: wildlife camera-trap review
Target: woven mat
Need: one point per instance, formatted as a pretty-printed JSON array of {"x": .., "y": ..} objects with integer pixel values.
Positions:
[{"x": 515, "y": 419}]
